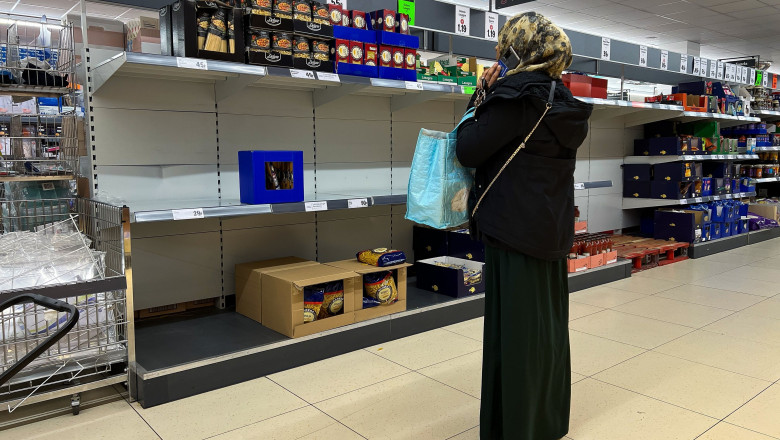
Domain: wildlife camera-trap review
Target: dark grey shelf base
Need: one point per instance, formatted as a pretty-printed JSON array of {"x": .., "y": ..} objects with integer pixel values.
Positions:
[
  {"x": 700, "y": 250},
  {"x": 189, "y": 354}
]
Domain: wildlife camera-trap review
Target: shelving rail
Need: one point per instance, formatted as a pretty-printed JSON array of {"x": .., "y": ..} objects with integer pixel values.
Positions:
[
  {"x": 64, "y": 299},
  {"x": 165, "y": 132}
]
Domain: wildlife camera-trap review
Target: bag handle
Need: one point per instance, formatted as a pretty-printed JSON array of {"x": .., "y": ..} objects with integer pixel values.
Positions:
[{"x": 547, "y": 108}]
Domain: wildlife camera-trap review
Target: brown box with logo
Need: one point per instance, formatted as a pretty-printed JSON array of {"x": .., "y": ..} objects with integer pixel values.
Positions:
[
  {"x": 399, "y": 273},
  {"x": 283, "y": 299},
  {"x": 249, "y": 287}
]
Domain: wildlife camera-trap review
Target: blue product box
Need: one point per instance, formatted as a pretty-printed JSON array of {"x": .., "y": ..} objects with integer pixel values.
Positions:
[
  {"x": 735, "y": 227},
  {"x": 747, "y": 184},
  {"x": 706, "y": 186},
  {"x": 660, "y": 146},
  {"x": 743, "y": 225},
  {"x": 707, "y": 216},
  {"x": 743, "y": 210},
  {"x": 675, "y": 171},
  {"x": 718, "y": 212},
  {"x": 678, "y": 226},
  {"x": 352, "y": 34},
  {"x": 735, "y": 185},
  {"x": 670, "y": 190},
  {"x": 461, "y": 245},
  {"x": 429, "y": 242},
  {"x": 397, "y": 74},
  {"x": 636, "y": 190},
  {"x": 638, "y": 173},
  {"x": 715, "y": 169},
  {"x": 715, "y": 231},
  {"x": 706, "y": 232},
  {"x": 357, "y": 70},
  {"x": 725, "y": 229},
  {"x": 394, "y": 39},
  {"x": 257, "y": 186}
]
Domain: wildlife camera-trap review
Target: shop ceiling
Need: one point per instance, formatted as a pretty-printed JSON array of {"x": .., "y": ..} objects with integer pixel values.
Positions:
[{"x": 724, "y": 28}]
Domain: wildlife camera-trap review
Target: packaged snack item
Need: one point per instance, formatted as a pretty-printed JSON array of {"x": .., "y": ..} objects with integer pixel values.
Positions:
[
  {"x": 386, "y": 56},
  {"x": 345, "y": 18},
  {"x": 335, "y": 12},
  {"x": 301, "y": 48},
  {"x": 383, "y": 20},
  {"x": 381, "y": 287},
  {"x": 342, "y": 51},
  {"x": 302, "y": 10},
  {"x": 320, "y": 13},
  {"x": 402, "y": 23},
  {"x": 231, "y": 36},
  {"x": 259, "y": 41},
  {"x": 333, "y": 300},
  {"x": 410, "y": 56},
  {"x": 261, "y": 7},
  {"x": 312, "y": 303},
  {"x": 358, "y": 19},
  {"x": 217, "y": 32},
  {"x": 282, "y": 43},
  {"x": 381, "y": 257},
  {"x": 371, "y": 52},
  {"x": 398, "y": 57},
  {"x": 355, "y": 52},
  {"x": 283, "y": 9},
  {"x": 203, "y": 29},
  {"x": 370, "y": 302},
  {"x": 320, "y": 50}
]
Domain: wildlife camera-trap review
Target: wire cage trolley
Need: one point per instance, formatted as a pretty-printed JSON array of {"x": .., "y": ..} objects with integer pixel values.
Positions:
[
  {"x": 37, "y": 61},
  {"x": 63, "y": 299}
]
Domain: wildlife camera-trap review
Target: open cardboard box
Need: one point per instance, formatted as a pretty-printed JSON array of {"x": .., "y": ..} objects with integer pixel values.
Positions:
[
  {"x": 399, "y": 270},
  {"x": 447, "y": 280},
  {"x": 249, "y": 288},
  {"x": 283, "y": 299}
]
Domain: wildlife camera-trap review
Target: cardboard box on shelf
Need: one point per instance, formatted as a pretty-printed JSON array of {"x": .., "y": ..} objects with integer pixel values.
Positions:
[
  {"x": 282, "y": 305},
  {"x": 595, "y": 261},
  {"x": 399, "y": 272},
  {"x": 249, "y": 287},
  {"x": 764, "y": 210},
  {"x": 447, "y": 280},
  {"x": 578, "y": 264},
  {"x": 580, "y": 227}
]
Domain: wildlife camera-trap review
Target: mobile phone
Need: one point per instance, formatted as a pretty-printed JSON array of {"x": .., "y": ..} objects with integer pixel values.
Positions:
[{"x": 508, "y": 61}]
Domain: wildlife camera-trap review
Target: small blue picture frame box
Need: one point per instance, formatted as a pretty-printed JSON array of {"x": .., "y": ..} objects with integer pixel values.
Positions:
[{"x": 252, "y": 177}]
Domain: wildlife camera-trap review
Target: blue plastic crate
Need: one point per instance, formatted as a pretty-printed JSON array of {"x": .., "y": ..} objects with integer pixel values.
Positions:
[
  {"x": 356, "y": 70},
  {"x": 252, "y": 177},
  {"x": 398, "y": 74},
  {"x": 400, "y": 40},
  {"x": 352, "y": 34}
]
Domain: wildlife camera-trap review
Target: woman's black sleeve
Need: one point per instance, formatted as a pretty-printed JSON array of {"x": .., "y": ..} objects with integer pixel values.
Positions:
[{"x": 499, "y": 122}]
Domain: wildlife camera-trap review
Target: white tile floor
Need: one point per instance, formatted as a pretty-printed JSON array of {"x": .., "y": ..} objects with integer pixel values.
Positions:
[{"x": 687, "y": 351}]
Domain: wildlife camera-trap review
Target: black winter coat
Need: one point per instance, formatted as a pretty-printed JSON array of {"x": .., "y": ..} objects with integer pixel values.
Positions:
[{"x": 530, "y": 208}]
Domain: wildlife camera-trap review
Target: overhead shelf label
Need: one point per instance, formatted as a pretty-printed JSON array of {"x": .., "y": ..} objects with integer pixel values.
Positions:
[
  {"x": 683, "y": 63},
  {"x": 696, "y": 66},
  {"x": 315, "y": 206},
  {"x": 643, "y": 56},
  {"x": 192, "y": 63},
  {"x": 713, "y": 69},
  {"x": 491, "y": 26},
  {"x": 357, "y": 203},
  {"x": 187, "y": 214},
  {"x": 719, "y": 71},
  {"x": 665, "y": 60},
  {"x": 765, "y": 80},
  {"x": 606, "y": 48}
]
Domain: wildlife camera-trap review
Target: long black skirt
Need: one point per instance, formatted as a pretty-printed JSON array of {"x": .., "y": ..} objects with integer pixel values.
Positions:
[{"x": 526, "y": 367}]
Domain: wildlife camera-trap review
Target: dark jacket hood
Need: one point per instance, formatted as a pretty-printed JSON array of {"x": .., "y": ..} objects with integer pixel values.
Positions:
[{"x": 568, "y": 117}]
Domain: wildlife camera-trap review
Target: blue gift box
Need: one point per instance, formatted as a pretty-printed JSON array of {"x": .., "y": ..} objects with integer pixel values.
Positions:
[
  {"x": 706, "y": 232},
  {"x": 715, "y": 231},
  {"x": 743, "y": 225},
  {"x": 725, "y": 229},
  {"x": 462, "y": 245},
  {"x": 735, "y": 227},
  {"x": 358, "y": 70},
  {"x": 706, "y": 186},
  {"x": 637, "y": 172},
  {"x": 400, "y": 40},
  {"x": 679, "y": 226},
  {"x": 256, "y": 188},
  {"x": 352, "y": 34},
  {"x": 636, "y": 190},
  {"x": 747, "y": 184}
]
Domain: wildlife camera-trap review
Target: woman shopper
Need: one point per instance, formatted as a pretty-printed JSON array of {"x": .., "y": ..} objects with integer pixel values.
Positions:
[{"x": 526, "y": 221}]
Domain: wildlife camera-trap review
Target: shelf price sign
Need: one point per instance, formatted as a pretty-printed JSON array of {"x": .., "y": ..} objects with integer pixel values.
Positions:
[
  {"x": 192, "y": 63},
  {"x": 765, "y": 80},
  {"x": 303, "y": 74},
  {"x": 696, "y": 66},
  {"x": 187, "y": 214},
  {"x": 606, "y": 48},
  {"x": 462, "y": 20},
  {"x": 357, "y": 203},
  {"x": 719, "y": 71},
  {"x": 664, "y": 60},
  {"x": 491, "y": 26},
  {"x": 683, "y": 63},
  {"x": 774, "y": 81},
  {"x": 752, "y": 78},
  {"x": 744, "y": 75},
  {"x": 643, "y": 56},
  {"x": 713, "y": 69}
]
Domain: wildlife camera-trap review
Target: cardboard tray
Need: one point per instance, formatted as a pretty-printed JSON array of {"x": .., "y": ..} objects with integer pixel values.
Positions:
[{"x": 363, "y": 269}]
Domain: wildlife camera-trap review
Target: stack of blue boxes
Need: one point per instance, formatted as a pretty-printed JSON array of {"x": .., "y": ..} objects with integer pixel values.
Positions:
[{"x": 727, "y": 218}]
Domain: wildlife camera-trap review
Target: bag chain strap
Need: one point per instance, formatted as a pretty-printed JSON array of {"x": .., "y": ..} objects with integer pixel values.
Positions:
[{"x": 517, "y": 150}]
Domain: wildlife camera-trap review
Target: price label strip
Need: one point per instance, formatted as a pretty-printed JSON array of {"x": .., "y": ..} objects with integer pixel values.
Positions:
[
  {"x": 357, "y": 203},
  {"x": 192, "y": 63},
  {"x": 579, "y": 185},
  {"x": 302, "y": 74},
  {"x": 187, "y": 214},
  {"x": 323, "y": 76},
  {"x": 315, "y": 206},
  {"x": 413, "y": 85}
]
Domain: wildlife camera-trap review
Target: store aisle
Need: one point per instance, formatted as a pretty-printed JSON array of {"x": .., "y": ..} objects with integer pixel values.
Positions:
[{"x": 687, "y": 351}]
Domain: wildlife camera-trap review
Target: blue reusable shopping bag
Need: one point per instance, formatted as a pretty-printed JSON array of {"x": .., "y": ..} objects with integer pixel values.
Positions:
[{"x": 439, "y": 185}]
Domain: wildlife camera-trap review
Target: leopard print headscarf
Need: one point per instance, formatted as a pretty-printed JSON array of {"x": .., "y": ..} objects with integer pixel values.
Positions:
[{"x": 541, "y": 45}]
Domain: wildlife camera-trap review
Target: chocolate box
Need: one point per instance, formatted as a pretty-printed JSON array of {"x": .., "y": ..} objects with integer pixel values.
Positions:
[
  {"x": 410, "y": 58},
  {"x": 674, "y": 171},
  {"x": 371, "y": 52},
  {"x": 716, "y": 169},
  {"x": 679, "y": 225},
  {"x": 385, "y": 56},
  {"x": 446, "y": 280},
  {"x": 355, "y": 52},
  {"x": 383, "y": 20},
  {"x": 636, "y": 190},
  {"x": 342, "y": 51},
  {"x": 637, "y": 172},
  {"x": 402, "y": 23},
  {"x": 669, "y": 190},
  {"x": 398, "y": 57},
  {"x": 358, "y": 19},
  {"x": 428, "y": 242},
  {"x": 346, "y": 19},
  {"x": 335, "y": 14},
  {"x": 460, "y": 244},
  {"x": 166, "y": 31}
]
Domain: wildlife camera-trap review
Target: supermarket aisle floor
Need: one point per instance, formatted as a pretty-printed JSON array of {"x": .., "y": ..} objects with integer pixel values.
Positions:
[{"x": 687, "y": 351}]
